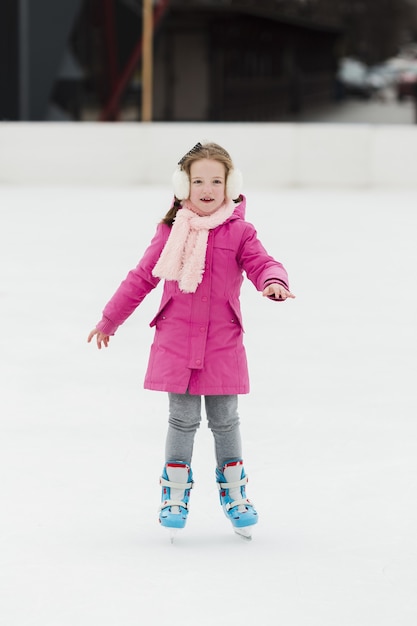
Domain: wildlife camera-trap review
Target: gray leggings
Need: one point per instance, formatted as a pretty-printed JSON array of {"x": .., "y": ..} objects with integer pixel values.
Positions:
[{"x": 185, "y": 418}]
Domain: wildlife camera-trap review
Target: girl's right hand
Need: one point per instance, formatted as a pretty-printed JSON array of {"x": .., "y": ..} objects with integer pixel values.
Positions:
[{"x": 101, "y": 338}]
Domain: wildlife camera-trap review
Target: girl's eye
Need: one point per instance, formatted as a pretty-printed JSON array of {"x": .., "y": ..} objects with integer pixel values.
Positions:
[
  {"x": 217, "y": 181},
  {"x": 196, "y": 181}
]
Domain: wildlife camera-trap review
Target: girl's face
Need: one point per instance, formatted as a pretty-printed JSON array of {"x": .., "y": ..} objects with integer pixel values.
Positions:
[{"x": 207, "y": 185}]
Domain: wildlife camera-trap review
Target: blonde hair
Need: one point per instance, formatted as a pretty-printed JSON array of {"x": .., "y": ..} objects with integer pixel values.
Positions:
[
  {"x": 207, "y": 151},
  {"x": 200, "y": 151}
]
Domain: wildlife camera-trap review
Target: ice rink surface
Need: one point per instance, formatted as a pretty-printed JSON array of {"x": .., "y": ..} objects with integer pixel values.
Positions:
[{"x": 329, "y": 428}]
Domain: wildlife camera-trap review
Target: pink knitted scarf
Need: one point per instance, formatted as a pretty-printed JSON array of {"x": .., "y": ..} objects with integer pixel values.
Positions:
[{"x": 184, "y": 254}]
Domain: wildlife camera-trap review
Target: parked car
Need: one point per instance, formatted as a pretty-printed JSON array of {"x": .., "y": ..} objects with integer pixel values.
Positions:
[
  {"x": 396, "y": 66},
  {"x": 379, "y": 77},
  {"x": 407, "y": 83},
  {"x": 352, "y": 78}
]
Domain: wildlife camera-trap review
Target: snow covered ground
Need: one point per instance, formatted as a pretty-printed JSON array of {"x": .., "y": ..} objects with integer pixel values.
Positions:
[{"x": 329, "y": 428}]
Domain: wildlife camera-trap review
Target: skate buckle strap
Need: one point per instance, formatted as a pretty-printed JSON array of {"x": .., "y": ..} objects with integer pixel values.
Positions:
[
  {"x": 167, "y": 503},
  {"x": 238, "y": 483},
  {"x": 169, "y": 483},
  {"x": 231, "y": 505}
]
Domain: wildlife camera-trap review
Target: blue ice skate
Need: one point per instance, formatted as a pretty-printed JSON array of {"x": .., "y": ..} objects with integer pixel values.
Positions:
[
  {"x": 176, "y": 482},
  {"x": 236, "y": 506}
]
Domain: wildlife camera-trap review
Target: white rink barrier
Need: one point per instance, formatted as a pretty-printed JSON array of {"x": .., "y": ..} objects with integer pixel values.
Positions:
[{"x": 270, "y": 155}]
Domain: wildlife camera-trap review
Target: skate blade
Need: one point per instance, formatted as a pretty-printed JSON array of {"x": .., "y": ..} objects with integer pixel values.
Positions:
[
  {"x": 173, "y": 532},
  {"x": 244, "y": 533}
]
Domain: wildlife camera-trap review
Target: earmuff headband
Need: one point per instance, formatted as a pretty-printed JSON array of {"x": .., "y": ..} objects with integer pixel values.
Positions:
[{"x": 181, "y": 182}]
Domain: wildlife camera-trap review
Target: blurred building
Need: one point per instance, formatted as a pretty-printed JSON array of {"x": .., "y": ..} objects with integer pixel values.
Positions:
[{"x": 214, "y": 60}]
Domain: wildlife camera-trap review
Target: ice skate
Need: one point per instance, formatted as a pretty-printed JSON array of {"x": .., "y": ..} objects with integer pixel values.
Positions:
[
  {"x": 238, "y": 509},
  {"x": 176, "y": 482}
]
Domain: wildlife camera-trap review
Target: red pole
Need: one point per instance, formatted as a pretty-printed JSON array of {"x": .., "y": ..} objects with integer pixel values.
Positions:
[
  {"x": 109, "y": 25},
  {"x": 130, "y": 67}
]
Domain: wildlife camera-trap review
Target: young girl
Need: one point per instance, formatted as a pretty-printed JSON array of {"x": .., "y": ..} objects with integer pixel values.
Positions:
[{"x": 200, "y": 249}]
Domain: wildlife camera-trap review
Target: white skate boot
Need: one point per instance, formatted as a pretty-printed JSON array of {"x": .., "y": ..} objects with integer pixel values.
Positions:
[
  {"x": 176, "y": 482},
  {"x": 236, "y": 506}
]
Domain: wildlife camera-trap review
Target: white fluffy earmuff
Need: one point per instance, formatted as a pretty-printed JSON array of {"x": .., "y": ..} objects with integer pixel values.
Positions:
[
  {"x": 181, "y": 184},
  {"x": 234, "y": 184}
]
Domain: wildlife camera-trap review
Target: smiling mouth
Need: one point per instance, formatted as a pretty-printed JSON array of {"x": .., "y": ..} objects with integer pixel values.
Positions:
[{"x": 206, "y": 199}]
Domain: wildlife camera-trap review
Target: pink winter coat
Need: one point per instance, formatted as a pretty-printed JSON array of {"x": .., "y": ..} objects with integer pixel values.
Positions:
[{"x": 198, "y": 342}]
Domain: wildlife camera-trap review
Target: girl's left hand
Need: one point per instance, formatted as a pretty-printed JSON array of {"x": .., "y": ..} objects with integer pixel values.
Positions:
[
  {"x": 277, "y": 291},
  {"x": 101, "y": 338}
]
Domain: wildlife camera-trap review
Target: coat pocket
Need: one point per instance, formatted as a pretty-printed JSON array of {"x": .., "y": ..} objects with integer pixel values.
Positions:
[
  {"x": 162, "y": 309},
  {"x": 237, "y": 315}
]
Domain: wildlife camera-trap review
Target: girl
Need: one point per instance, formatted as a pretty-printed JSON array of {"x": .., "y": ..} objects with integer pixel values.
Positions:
[{"x": 200, "y": 250}]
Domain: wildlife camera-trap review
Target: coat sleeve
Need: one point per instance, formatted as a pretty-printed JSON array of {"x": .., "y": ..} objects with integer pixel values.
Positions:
[
  {"x": 135, "y": 287},
  {"x": 260, "y": 267}
]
